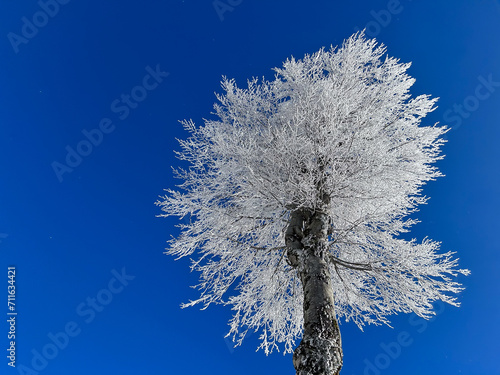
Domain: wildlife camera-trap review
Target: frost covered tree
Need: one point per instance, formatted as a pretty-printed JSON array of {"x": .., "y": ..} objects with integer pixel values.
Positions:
[{"x": 297, "y": 196}]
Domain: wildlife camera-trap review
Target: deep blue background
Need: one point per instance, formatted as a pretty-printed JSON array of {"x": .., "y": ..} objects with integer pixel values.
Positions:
[{"x": 65, "y": 238}]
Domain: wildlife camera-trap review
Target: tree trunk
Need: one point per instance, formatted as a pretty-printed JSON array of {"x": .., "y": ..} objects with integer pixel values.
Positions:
[{"x": 320, "y": 351}]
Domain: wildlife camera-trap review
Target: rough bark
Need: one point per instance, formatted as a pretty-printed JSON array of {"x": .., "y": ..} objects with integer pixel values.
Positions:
[{"x": 320, "y": 351}]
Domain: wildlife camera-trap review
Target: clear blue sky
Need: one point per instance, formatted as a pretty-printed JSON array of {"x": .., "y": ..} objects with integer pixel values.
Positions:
[{"x": 66, "y": 234}]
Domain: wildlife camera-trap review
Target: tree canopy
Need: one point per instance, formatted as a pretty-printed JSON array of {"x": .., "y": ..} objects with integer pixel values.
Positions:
[{"x": 336, "y": 132}]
